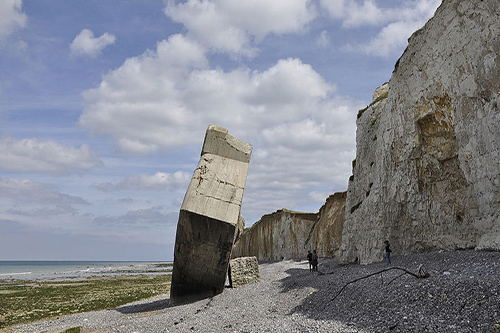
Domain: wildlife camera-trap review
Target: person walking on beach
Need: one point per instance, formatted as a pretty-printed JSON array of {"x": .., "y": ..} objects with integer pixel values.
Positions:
[
  {"x": 229, "y": 276},
  {"x": 387, "y": 252},
  {"x": 310, "y": 259},
  {"x": 315, "y": 261}
]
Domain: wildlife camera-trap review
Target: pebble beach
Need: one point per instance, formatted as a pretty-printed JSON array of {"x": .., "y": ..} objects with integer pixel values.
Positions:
[{"x": 462, "y": 294}]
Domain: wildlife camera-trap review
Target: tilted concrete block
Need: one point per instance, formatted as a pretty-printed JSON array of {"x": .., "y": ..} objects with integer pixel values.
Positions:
[{"x": 208, "y": 218}]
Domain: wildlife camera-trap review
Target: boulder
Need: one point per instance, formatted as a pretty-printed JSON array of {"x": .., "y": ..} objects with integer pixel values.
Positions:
[
  {"x": 209, "y": 217},
  {"x": 244, "y": 270}
]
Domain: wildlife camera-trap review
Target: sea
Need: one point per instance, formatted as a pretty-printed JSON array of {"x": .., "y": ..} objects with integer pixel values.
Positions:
[{"x": 41, "y": 270}]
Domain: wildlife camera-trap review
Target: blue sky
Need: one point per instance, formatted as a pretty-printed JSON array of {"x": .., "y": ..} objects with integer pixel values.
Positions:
[{"x": 104, "y": 107}]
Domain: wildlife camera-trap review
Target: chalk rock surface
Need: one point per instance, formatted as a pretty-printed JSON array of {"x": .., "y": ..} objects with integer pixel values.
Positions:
[
  {"x": 427, "y": 170},
  {"x": 210, "y": 217},
  {"x": 287, "y": 234}
]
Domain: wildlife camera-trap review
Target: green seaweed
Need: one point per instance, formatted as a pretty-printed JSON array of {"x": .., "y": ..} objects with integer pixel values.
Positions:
[{"x": 28, "y": 301}]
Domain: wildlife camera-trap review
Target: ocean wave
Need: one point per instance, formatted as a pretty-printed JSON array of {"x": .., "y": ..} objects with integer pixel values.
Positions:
[{"x": 9, "y": 274}]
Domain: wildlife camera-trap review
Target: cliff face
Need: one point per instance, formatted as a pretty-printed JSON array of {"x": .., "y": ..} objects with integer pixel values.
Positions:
[
  {"x": 327, "y": 233},
  {"x": 288, "y": 235},
  {"x": 427, "y": 162},
  {"x": 282, "y": 234},
  {"x": 427, "y": 168}
]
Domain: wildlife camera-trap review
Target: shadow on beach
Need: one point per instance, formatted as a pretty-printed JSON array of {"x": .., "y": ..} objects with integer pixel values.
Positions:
[
  {"x": 145, "y": 307},
  {"x": 461, "y": 294}
]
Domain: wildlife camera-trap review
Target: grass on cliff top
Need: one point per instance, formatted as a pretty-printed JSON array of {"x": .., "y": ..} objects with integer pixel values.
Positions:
[
  {"x": 28, "y": 301},
  {"x": 378, "y": 99}
]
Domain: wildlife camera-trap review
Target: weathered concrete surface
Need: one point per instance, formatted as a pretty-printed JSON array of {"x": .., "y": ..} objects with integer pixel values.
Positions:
[
  {"x": 427, "y": 171},
  {"x": 244, "y": 270},
  {"x": 210, "y": 217},
  {"x": 216, "y": 189},
  {"x": 286, "y": 234}
]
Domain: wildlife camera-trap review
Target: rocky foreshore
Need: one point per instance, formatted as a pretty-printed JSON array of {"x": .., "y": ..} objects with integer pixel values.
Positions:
[{"x": 462, "y": 294}]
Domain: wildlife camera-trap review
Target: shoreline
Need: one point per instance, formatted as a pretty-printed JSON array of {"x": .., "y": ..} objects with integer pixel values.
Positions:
[{"x": 85, "y": 270}]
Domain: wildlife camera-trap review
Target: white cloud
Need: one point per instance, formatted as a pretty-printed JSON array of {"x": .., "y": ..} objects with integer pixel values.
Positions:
[
  {"x": 295, "y": 157},
  {"x": 303, "y": 134},
  {"x": 86, "y": 44},
  {"x": 150, "y": 225},
  {"x": 36, "y": 207},
  {"x": 288, "y": 82},
  {"x": 397, "y": 24},
  {"x": 146, "y": 216},
  {"x": 391, "y": 38},
  {"x": 29, "y": 198},
  {"x": 234, "y": 26},
  {"x": 335, "y": 8},
  {"x": 319, "y": 197},
  {"x": 140, "y": 104},
  {"x": 165, "y": 99},
  {"x": 34, "y": 155},
  {"x": 39, "y": 206},
  {"x": 353, "y": 13},
  {"x": 11, "y": 17},
  {"x": 365, "y": 14},
  {"x": 160, "y": 181}
]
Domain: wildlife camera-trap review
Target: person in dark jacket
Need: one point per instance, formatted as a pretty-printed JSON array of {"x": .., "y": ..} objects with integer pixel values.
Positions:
[
  {"x": 315, "y": 261},
  {"x": 310, "y": 259},
  {"x": 387, "y": 252}
]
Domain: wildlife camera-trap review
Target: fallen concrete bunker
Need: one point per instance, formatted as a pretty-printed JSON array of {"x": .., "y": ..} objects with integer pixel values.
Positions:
[{"x": 209, "y": 216}]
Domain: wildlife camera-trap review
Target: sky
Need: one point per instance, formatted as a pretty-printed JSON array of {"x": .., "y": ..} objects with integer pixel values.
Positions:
[{"x": 104, "y": 107}]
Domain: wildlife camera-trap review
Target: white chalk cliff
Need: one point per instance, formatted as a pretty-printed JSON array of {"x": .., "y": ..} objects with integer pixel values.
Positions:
[
  {"x": 287, "y": 234},
  {"x": 427, "y": 171},
  {"x": 427, "y": 168}
]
